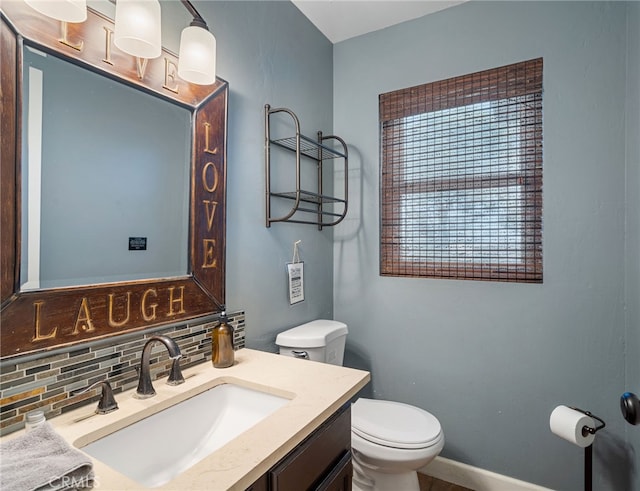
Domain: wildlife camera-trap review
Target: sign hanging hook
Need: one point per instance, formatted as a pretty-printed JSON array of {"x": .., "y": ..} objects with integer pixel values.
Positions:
[{"x": 296, "y": 255}]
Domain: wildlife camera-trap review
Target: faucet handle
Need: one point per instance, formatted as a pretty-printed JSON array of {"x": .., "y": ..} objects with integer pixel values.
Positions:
[{"x": 107, "y": 401}]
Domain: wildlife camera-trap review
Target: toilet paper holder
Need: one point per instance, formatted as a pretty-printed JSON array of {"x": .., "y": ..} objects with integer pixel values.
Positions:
[
  {"x": 587, "y": 430},
  {"x": 588, "y": 451}
]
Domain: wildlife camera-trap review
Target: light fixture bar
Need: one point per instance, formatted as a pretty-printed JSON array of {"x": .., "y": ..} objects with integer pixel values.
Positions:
[{"x": 198, "y": 20}]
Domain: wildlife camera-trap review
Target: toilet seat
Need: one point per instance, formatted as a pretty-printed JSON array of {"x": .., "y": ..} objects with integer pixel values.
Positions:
[{"x": 394, "y": 424}]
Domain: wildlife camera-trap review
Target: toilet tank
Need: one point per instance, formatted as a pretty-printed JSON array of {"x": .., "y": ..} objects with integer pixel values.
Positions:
[{"x": 319, "y": 340}]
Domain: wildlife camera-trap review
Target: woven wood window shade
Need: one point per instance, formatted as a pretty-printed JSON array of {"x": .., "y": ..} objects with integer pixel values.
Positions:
[{"x": 461, "y": 177}]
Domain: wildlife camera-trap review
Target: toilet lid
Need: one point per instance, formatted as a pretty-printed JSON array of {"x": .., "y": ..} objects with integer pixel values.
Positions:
[{"x": 394, "y": 424}]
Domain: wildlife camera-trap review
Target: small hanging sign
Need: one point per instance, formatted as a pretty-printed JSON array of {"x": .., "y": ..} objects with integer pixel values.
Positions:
[{"x": 295, "y": 273}]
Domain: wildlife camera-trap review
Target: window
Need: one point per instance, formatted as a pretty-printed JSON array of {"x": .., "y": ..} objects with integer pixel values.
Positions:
[{"x": 461, "y": 177}]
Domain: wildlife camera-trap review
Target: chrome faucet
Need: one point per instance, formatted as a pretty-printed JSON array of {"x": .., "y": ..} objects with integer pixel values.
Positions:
[
  {"x": 145, "y": 387},
  {"x": 107, "y": 402}
]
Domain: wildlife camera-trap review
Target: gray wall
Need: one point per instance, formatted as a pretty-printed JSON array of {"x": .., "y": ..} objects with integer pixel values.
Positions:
[
  {"x": 491, "y": 360},
  {"x": 632, "y": 253}
]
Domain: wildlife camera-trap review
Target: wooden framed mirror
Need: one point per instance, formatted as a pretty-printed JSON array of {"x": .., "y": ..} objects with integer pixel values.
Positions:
[{"x": 38, "y": 320}]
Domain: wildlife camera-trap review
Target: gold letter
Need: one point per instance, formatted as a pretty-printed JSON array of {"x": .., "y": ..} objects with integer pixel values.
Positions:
[
  {"x": 214, "y": 185},
  {"x": 170, "y": 71},
  {"x": 113, "y": 323},
  {"x": 149, "y": 317},
  {"x": 210, "y": 207},
  {"x": 210, "y": 260},
  {"x": 65, "y": 41},
  {"x": 83, "y": 315},
  {"x": 207, "y": 127},
  {"x": 179, "y": 300},
  {"x": 107, "y": 45},
  {"x": 39, "y": 336},
  {"x": 141, "y": 66}
]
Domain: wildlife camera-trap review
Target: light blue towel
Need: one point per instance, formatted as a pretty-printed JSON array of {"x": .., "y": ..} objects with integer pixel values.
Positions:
[{"x": 42, "y": 460}]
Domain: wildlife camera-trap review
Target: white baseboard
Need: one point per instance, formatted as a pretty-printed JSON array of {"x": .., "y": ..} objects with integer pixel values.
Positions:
[{"x": 475, "y": 478}]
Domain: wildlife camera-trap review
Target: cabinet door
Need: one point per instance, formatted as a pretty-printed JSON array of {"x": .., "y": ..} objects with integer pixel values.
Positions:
[
  {"x": 314, "y": 460},
  {"x": 339, "y": 479}
]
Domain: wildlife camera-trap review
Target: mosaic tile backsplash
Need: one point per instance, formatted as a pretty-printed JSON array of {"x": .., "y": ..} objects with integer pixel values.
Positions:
[{"x": 50, "y": 382}]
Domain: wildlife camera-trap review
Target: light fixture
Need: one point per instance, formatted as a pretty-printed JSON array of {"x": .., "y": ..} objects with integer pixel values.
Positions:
[
  {"x": 137, "y": 30},
  {"x": 138, "y": 33},
  {"x": 197, "y": 57},
  {"x": 64, "y": 10}
]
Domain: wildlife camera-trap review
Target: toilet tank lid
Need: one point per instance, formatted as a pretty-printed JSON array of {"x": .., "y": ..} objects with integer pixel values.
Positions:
[{"x": 314, "y": 334}]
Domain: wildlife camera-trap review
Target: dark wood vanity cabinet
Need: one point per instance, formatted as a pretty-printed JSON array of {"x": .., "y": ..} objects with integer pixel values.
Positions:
[{"x": 321, "y": 462}]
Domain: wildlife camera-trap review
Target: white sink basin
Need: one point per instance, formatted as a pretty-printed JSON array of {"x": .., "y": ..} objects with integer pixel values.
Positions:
[{"x": 156, "y": 449}]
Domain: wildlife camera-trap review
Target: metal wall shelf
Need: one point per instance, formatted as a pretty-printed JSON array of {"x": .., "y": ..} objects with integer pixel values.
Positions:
[
  {"x": 317, "y": 151},
  {"x": 310, "y": 148}
]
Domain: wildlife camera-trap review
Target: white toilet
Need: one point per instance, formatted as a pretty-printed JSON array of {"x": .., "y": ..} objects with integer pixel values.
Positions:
[{"x": 390, "y": 440}]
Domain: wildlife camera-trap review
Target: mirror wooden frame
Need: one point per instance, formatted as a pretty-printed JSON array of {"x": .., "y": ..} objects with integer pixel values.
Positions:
[{"x": 39, "y": 321}]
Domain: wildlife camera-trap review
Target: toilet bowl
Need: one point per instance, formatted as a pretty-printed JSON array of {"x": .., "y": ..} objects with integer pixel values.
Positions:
[{"x": 390, "y": 440}]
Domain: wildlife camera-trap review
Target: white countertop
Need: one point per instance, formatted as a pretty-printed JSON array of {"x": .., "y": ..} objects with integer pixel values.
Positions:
[{"x": 315, "y": 390}]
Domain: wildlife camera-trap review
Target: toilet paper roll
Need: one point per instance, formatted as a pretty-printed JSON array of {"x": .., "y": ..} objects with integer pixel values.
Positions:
[{"x": 567, "y": 423}]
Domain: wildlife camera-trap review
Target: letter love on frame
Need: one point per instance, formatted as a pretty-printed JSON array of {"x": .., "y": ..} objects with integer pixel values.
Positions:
[{"x": 41, "y": 320}]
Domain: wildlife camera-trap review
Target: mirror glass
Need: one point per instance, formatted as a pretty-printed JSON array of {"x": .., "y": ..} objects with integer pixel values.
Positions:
[{"x": 105, "y": 179}]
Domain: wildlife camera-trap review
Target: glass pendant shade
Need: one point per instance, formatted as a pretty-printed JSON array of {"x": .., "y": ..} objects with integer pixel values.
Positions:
[
  {"x": 64, "y": 10},
  {"x": 197, "y": 57},
  {"x": 138, "y": 30}
]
